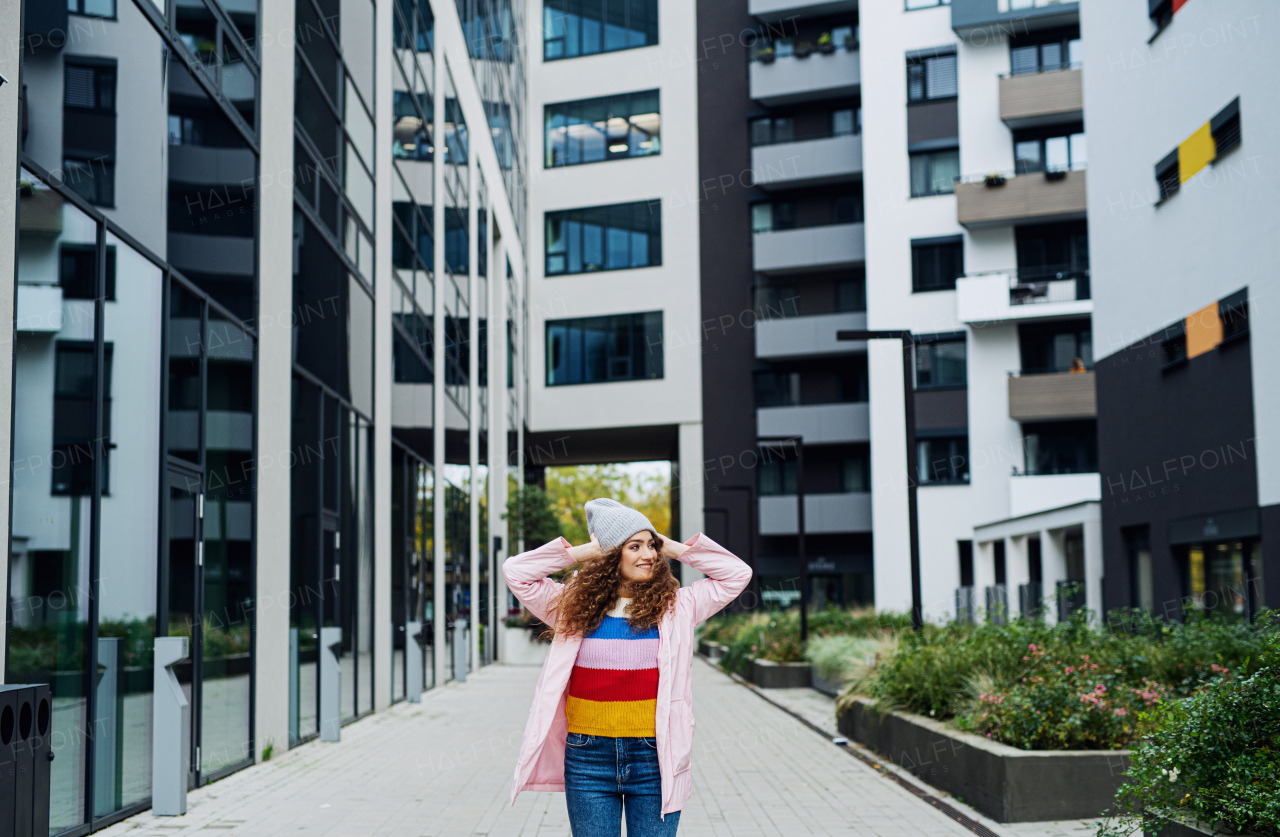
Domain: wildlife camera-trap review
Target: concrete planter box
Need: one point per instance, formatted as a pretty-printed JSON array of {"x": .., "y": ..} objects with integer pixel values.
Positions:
[
  {"x": 1188, "y": 829},
  {"x": 713, "y": 651},
  {"x": 769, "y": 675},
  {"x": 519, "y": 648},
  {"x": 827, "y": 687},
  {"x": 1005, "y": 783}
]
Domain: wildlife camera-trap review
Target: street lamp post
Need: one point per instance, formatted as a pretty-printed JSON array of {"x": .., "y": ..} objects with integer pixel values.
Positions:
[
  {"x": 909, "y": 403},
  {"x": 798, "y": 441}
]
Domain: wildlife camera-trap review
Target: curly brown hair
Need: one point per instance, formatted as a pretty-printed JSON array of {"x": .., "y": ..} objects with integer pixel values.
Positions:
[{"x": 592, "y": 591}]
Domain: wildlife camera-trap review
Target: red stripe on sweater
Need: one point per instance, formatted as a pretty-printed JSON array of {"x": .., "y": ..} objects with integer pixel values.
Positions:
[{"x": 610, "y": 684}]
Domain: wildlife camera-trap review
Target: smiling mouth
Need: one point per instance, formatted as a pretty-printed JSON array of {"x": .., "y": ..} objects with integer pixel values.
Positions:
[{"x": 644, "y": 565}]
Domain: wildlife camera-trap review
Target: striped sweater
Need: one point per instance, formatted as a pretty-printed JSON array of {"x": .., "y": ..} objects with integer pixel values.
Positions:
[{"x": 613, "y": 688}]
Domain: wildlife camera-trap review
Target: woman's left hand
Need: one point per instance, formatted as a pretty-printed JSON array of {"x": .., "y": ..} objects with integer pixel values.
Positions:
[{"x": 669, "y": 548}]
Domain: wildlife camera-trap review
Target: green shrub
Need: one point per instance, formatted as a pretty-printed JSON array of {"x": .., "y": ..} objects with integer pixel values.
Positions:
[
  {"x": 842, "y": 658},
  {"x": 1213, "y": 757},
  {"x": 774, "y": 635}
]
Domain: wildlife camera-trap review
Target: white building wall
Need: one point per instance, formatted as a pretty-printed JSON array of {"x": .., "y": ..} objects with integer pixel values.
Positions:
[
  {"x": 1217, "y": 234},
  {"x": 673, "y": 288}
]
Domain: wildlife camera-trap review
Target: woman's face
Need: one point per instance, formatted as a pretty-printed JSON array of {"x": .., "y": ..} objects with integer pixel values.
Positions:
[{"x": 639, "y": 557}]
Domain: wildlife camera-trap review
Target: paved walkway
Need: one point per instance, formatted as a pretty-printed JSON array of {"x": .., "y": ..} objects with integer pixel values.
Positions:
[{"x": 443, "y": 767}]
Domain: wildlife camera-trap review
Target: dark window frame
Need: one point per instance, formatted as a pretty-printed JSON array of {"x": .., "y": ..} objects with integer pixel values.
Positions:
[
  {"x": 929, "y": 157},
  {"x": 918, "y": 71},
  {"x": 935, "y": 244},
  {"x": 609, "y": 212},
  {"x": 924, "y": 347},
  {"x": 650, "y": 30},
  {"x": 631, "y": 104},
  {"x": 607, "y": 328},
  {"x": 950, "y": 469}
]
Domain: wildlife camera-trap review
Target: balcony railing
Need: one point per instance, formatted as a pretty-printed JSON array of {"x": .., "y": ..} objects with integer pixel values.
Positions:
[
  {"x": 997, "y": 604},
  {"x": 1030, "y": 599},
  {"x": 965, "y": 601},
  {"x": 1060, "y": 283},
  {"x": 1071, "y": 597},
  {"x": 1009, "y": 197}
]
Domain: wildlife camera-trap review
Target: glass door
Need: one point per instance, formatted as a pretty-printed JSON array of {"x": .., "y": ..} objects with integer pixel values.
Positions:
[{"x": 183, "y": 556}]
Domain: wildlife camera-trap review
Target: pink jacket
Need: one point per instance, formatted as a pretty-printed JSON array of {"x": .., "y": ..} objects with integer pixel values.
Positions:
[{"x": 541, "y": 763}]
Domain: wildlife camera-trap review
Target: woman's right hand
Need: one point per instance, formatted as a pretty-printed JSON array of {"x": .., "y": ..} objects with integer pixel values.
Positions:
[{"x": 587, "y": 551}]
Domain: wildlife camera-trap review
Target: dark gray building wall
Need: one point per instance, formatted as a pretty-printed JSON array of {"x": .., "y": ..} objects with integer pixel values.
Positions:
[
  {"x": 1172, "y": 443},
  {"x": 724, "y": 154}
]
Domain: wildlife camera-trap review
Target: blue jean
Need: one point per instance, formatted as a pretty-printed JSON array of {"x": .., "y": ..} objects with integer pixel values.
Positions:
[{"x": 605, "y": 776}]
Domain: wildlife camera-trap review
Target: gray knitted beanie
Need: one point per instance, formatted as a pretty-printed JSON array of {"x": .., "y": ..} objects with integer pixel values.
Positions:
[{"x": 613, "y": 524}]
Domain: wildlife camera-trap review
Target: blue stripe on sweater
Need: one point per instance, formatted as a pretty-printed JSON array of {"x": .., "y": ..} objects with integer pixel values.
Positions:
[{"x": 615, "y": 627}]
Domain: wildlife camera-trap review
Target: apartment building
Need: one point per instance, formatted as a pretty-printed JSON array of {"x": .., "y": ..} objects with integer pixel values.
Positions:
[
  {"x": 614, "y": 321},
  {"x": 977, "y": 242},
  {"x": 233, "y": 419},
  {"x": 1182, "y": 241}
]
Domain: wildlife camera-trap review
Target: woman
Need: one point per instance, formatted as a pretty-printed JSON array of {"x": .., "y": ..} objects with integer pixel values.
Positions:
[{"x": 612, "y": 718}]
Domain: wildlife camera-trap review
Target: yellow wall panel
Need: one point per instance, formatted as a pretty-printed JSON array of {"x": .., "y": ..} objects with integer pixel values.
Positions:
[
  {"x": 1196, "y": 152},
  {"x": 1204, "y": 330}
]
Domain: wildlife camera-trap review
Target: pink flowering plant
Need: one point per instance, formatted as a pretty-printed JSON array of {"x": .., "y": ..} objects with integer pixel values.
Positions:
[{"x": 1065, "y": 705}]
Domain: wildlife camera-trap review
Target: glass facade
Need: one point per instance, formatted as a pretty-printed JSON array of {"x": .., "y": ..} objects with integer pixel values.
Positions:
[
  {"x": 607, "y": 128},
  {"x": 593, "y": 350},
  {"x": 614, "y": 237},
  {"x": 140, "y": 318},
  {"x": 571, "y": 28}
]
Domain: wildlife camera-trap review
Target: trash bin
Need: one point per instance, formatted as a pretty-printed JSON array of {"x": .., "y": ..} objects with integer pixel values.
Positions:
[{"x": 26, "y": 717}]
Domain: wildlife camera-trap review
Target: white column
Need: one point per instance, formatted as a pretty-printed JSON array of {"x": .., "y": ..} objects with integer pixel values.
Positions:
[
  {"x": 688, "y": 479},
  {"x": 1017, "y": 569},
  {"x": 383, "y": 371},
  {"x": 10, "y": 10},
  {"x": 275, "y": 364},
  {"x": 475, "y": 307},
  {"x": 497, "y": 455},
  {"x": 984, "y": 570},
  {"x": 437, "y": 379},
  {"x": 1053, "y": 561},
  {"x": 1093, "y": 565},
  {"x": 891, "y": 546}
]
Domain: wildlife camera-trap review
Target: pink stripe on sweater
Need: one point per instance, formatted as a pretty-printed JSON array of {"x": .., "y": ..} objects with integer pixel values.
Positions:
[{"x": 618, "y": 654}]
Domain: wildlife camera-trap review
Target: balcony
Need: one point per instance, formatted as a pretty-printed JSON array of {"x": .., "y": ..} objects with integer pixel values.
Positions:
[
  {"x": 1034, "y": 494},
  {"x": 1011, "y": 16},
  {"x": 770, "y": 11},
  {"x": 784, "y": 337},
  {"x": 808, "y": 161},
  {"x": 1027, "y": 101},
  {"x": 817, "y": 424},
  {"x": 823, "y": 513},
  {"x": 1053, "y": 395},
  {"x": 808, "y": 248},
  {"x": 1013, "y": 295},
  {"x": 790, "y": 79},
  {"x": 997, "y": 199}
]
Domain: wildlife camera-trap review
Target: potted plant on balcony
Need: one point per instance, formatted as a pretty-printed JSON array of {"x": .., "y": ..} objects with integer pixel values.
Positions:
[
  {"x": 765, "y": 54},
  {"x": 826, "y": 45},
  {"x": 993, "y": 180},
  {"x": 851, "y": 42},
  {"x": 804, "y": 49},
  {"x": 1055, "y": 174}
]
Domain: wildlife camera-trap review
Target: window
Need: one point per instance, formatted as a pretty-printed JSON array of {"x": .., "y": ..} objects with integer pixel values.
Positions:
[
  {"x": 1168, "y": 177},
  {"x": 77, "y": 275},
  {"x": 618, "y": 237},
  {"x": 410, "y": 136},
  {"x": 941, "y": 460},
  {"x": 776, "y": 301},
  {"x": 1060, "y": 447},
  {"x": 932, "y": 77},
  {"x": 74, "y": 431},
  {"x": 1234, "y": 313},
  {"x": 774, "y": 215},
  {"x": 936, "y": 263},
  {"x": 608, "y": 128},
  {"x": 1055, "y": 347},
  {"x": 1225, "y": 128},
  {"x": 89, "y": 131},
  {"x": 777, "y": 477},
  {"x": 1161, "y": 12},
  {"x": 571, "y": 28},
  {"x": 1036, "y": 151},
  {"x": 1141, "y": 583},
  {"x": 846, "y": 209},
  {"x": 1174, "y": 345},
  {"x": 1047, "y": 54},
  {"x": 934, "y": 173},
  {"x": 855, "y": 475},
  {"x": 912, "y": 5},
  {"x": 940, "y": 362},
  {"x": 777, "y": 389},
  {"x": 851, "y": 294},
  {"x": 770, "y": 130},
  {"x": 92, "y": 8},
  {"x": 846, "y": 121},
  {"x": 1052, "y": 251},
  {"x": 593, "y": 350}
]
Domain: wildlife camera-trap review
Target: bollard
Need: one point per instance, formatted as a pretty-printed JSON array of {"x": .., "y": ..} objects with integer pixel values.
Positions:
[
  {"x": 460, "y": 650},
  {"x": 330, "y": 685},
  {"x": 413, "y": 641},
  {"x": 294, "y": 696},
  {"x": 107, "y": 729},
  {"x": 171, "y": 733}
]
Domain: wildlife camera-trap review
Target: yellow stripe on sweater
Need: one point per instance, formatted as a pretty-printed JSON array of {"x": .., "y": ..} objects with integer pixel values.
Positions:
[{"x": 611, "y": 718}]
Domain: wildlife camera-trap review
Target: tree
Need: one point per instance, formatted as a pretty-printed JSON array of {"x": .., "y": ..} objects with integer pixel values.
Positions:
[
  {"x": 571, "y": 487},
  {"x": 531, "y": 517}
]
